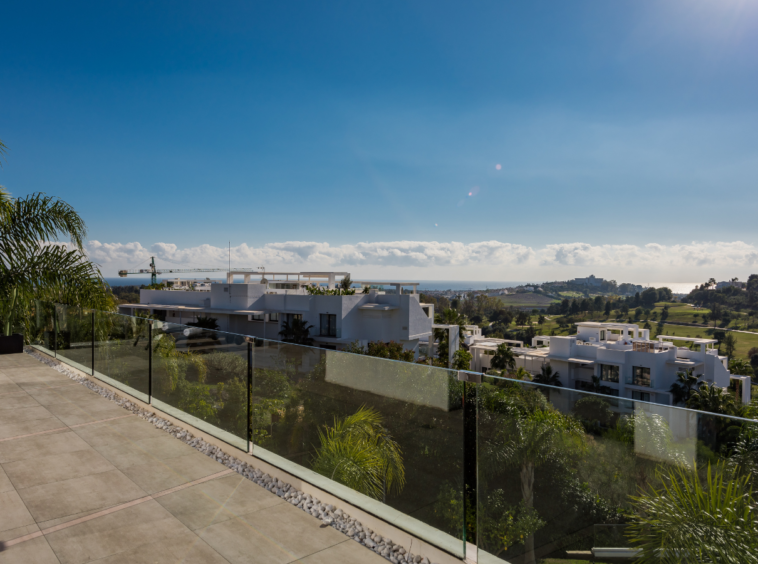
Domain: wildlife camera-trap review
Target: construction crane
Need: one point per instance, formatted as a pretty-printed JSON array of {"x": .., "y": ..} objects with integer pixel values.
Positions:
[{"x": 153, "y": 271}]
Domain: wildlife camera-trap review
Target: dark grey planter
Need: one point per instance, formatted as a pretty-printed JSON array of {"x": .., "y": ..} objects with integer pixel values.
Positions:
[{"x": 12, "y": 344}]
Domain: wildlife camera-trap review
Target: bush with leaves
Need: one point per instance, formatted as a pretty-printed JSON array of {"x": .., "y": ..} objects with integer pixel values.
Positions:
[
  {"x": 694, "y": 519},
  {"x": 359, "y": 452}
]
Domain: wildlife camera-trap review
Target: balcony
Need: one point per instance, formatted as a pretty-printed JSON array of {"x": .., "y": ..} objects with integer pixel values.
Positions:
[{"x": 255, "y": 425}]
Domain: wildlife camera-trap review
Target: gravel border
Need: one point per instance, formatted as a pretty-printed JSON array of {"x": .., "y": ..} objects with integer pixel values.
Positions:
[{"x": 327, "y": 513}]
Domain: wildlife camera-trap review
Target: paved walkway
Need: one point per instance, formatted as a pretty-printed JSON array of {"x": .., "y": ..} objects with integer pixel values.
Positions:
[{"x": 82, "y": 480}]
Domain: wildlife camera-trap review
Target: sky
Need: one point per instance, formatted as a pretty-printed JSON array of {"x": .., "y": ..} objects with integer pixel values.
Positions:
[{"x": 394, "y": 139}]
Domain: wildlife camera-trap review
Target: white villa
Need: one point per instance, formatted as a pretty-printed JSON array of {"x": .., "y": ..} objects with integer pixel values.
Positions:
[
  {"x": 260, "y": 305},
  {"x": 622, "y": 356}
]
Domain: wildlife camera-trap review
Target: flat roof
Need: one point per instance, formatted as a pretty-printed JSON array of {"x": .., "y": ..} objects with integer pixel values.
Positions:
[{"x": 689, "y": 339}]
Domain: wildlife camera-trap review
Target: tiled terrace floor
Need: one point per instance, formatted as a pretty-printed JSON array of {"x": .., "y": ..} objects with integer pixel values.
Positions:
[{"x": 81, "y": 480}]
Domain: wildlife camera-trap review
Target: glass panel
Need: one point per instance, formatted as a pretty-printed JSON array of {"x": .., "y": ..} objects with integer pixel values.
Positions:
[
  {"x": 558, "y": 469},
  {"x": 122, "y": 352},
  {"x": 310, "y": 404},
  {"x": 75, "y": 336},
  {"x": 39, "y": 327},
  {"x": 200, "y": 376}
]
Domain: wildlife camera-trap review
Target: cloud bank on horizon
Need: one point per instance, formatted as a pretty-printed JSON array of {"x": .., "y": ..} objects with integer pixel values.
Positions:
[{"x": 426, "y": 260}]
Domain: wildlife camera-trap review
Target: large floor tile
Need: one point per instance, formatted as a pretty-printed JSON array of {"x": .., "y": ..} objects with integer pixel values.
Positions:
[
  {"x": 240, "y": 543},
  {"x": 35, "y": 551},
  {"x": 62, "y": 394},
  {"x": 114, "y": 533},
  {"x": 85, "y": 412},
  {"x": 5, "y": 484},
  {"x": 88, "y": 493},
  {"x": 144, "y": 451},
  {"x": 42, "y": 445},
  {"x": 184, "y": 547},
  {"x": 13, "y": 512},
  {"x": 16, "y": 401},
  {"x": 161, "y": 475},
  {"x": 23, "y": 414},
  {"x": 217, "y": 500},
  {"x": 11, "y": 430},
  {"x": 8, "y": 387},
  {"x": 13, "y": 534},
  {"x": 294, "y": 529},
  {"x": 55, "y": 468},
  {"x": 128, "y": 429}
]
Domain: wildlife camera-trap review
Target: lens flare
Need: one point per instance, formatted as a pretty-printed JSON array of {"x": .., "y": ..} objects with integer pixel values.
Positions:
[{"x": 498, "y": 167}]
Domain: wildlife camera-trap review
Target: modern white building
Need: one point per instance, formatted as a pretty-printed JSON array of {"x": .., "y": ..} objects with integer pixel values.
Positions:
[
  {"x": 622, "y": 356},
  {"x": 260, "y": 305}
]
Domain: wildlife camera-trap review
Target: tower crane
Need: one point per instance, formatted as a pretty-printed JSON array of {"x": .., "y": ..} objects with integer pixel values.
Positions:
[{"x": 153, "y": 271}]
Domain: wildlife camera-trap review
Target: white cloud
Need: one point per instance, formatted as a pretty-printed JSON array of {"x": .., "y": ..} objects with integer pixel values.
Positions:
[{"x": 485, "y": 260}]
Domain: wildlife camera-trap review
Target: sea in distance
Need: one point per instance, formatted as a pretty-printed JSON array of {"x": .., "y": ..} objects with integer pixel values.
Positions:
[{"x": 441, "y": 285}]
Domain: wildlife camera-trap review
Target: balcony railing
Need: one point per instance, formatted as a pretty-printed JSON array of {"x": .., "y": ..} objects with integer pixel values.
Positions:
[{"x": 449, "y": 460}]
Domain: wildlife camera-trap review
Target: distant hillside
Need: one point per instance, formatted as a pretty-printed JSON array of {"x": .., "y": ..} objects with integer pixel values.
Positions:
[{"x": 527, "y": 300}]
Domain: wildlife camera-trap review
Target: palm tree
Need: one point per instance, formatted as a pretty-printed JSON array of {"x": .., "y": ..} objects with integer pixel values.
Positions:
[
  {"x": 712, "y": 522},
  {"x": 548, "y": 377},
  {"x": 34, "y": 266},
  {"x": 531, "y": 434},
  {"x": 522, "y": 374},
  {"x": 712, "y": 399},
  {"x": 684, "y": 386},
  {"x": 345, "y": 284},
  {"x": 504, "y": 359},
  {"x": 297, "y": 331},
  {"x": 359, "y": 452}
]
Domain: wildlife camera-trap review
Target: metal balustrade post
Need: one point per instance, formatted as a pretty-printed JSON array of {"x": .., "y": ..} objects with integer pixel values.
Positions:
[
  {"x": 93, "y": 342},
  {"x": 249, "y": 397},
  {"x": 150, "y": 362},
  {"x": 470, "y": 468}
]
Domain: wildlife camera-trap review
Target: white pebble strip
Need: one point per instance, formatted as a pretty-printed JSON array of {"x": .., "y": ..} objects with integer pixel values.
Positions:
[{"x": 327, "y": 513}]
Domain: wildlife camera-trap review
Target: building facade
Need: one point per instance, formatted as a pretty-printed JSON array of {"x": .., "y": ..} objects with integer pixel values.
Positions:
[
  {"x": 623, "y": 359},
  {"x": 260, "y": 308}
]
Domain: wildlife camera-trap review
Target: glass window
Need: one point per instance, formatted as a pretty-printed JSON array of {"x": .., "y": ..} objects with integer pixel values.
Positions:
[
  {"x": 328, "y": 325},
  {"x": 609, "y": 373},
  {"x": 641, "y": 396},
  {"x": 273, "y": 316},
  {"x": 641, "y": 376}
]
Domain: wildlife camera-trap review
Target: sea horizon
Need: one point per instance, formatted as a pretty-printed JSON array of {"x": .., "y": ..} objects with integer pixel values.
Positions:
[{"x": 442, "y": 285}]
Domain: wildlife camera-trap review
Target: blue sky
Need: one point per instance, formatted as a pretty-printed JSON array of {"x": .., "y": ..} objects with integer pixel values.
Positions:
[{"x": 175, "y": 127}]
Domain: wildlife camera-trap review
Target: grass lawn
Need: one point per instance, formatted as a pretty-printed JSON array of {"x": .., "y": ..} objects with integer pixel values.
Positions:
[
  {"x": 744, "y": 341},
  {"x": 685, "y": 313},
  {"x": 527, "y": 300}
]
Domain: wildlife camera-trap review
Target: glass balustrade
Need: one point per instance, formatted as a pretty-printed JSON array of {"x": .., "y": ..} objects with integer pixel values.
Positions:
[{"x": 509, "y": 469}]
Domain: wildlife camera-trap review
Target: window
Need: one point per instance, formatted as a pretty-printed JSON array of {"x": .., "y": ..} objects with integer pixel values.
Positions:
[
  {"x": 328, "y": 325},
  {"x": 641, "y": 396},
  {"x": 273, "y": 316},
  {"x": 288, "y": 317},
  {"x": 609, "y": 373},
  {"x": 640, "y": 376},
  {"x": 256, "y": 317}
]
